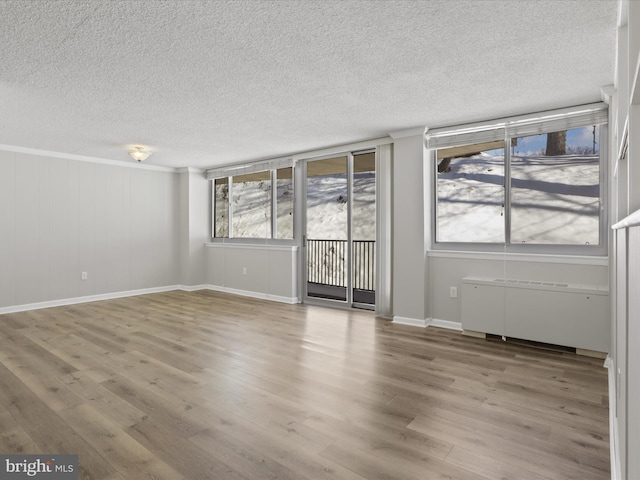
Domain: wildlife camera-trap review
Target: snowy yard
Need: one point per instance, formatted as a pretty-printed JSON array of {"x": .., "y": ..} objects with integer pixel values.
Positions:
[
  {"x": 326, "y": 208},
  {"x": 555, "y": 200}
]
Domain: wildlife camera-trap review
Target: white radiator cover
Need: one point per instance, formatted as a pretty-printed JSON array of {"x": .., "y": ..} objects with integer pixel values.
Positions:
[{"x": 559, "y": 313}]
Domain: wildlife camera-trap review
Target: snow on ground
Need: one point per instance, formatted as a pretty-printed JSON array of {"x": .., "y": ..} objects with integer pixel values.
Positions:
[
  {"x": 326, "y": 217},
  {"x": 326, "y": 208},
  {"x": 555, "y": 200}
]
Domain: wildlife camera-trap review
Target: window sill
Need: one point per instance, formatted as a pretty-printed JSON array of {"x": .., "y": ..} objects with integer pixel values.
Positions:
[
  {"x": 283, "y": 245},
  {"x": 522, "y": 257}
]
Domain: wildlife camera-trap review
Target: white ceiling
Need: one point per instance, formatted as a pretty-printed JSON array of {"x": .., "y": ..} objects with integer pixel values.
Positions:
[{"x": 206, "y": 83}]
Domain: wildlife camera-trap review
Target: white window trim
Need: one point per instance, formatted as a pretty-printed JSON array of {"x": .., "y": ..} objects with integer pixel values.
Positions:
[
  {"x": 242, "y": 169},
  {"x": 523, "y": 125},
  {"x": 271, "y": 166},
  {"x": 531, "y": 124}
]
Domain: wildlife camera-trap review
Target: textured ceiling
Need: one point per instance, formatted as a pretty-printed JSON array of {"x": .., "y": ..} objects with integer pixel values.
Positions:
[{"x": 206, "y": 83}]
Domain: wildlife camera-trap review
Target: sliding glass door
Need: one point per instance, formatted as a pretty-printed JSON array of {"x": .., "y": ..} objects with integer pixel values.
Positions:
[
  {"x": 363, "y": 223},
  {"x": 339, "y": 225}
]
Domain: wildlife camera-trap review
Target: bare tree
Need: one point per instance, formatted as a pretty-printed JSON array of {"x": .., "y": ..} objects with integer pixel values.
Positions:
[
  {"x": 556, "y": 143},
  {"x": 444, "y": 165}
]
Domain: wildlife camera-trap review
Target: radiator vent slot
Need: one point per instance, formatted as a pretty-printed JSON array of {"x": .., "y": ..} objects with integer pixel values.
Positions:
[
  {"x": 531, "y": 343},
  {"x": 530, "y": 282}
]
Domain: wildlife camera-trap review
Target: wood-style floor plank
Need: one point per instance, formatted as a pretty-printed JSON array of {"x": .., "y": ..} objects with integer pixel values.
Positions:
[
  {"x": 206, "y": 385},
  {"x": 114, "y": 444},
  {"x": 49, "y": 432}
]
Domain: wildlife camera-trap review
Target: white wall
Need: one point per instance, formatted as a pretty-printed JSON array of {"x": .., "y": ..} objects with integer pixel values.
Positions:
[
  {"x": 624, "y": 365},
  {"x": 264, "y": 271},
  {"x": 624, "y": 375},
  {"x": 61, "y": 217},
  {"x": 633, "y": 355},
  {"x": 195, "y": 226},
  {"x": 409, "y": 246}
]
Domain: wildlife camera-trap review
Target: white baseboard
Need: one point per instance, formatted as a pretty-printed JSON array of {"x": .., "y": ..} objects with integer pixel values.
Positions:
[
  {"x": 445, "y": 324},
  {"x": 86, "y": 299},
  {"x": 474, "y": 334},
  {"x": 613, "y": 426},
  {"x": 591, "y": 353},
  {"x": 414, "y": 322},
  {"x": 247, "y": 293},
  {"x": 428, "y": 322},
  {"x": 193, "y": 288},
  {"x": 143, "y": 291}
]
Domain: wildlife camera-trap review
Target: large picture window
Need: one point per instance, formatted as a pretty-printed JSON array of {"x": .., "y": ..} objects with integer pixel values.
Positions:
[
  {"x": 532, "y": 183},
  {"x": 253, "y": 205}
]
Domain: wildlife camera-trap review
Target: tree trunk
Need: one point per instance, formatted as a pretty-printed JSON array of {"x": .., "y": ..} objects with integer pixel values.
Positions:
[
  {"x": 556, "y": 143},
  {"x": 443, "y": 166}
]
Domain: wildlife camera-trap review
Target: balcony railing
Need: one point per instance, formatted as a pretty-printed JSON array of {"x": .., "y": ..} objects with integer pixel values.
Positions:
[{"x": 326, "y": 263}]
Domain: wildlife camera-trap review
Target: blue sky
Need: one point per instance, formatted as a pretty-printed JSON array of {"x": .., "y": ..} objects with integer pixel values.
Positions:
[{"x": 578, "y": 137}]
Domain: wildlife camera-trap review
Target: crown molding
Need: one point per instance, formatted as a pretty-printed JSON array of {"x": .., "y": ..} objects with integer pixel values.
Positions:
[
  {"x": 84, "y": 158},
  {"x": 606, "y": 92},
  {"x": 340, "y": 149},
  {"x": 408, "y": 132},
  {"x": 199, "y": 171}
]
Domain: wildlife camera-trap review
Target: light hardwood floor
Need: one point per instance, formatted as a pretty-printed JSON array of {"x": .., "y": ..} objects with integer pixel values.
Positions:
[{"x": 206, "y": 385}]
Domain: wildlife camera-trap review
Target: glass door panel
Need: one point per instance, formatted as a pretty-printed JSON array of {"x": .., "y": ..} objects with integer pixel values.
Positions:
[
  {"x": 363, "y": 221},
  {"x": 327, "y": 228}
]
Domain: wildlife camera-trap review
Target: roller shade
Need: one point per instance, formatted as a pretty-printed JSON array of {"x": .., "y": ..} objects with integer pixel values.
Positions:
[
  {"x": 484, "y": 132},
  {"x": 559, "y": 120},
  {"x": 247, "y": 168},
  {"x": 465, "y": 135}
]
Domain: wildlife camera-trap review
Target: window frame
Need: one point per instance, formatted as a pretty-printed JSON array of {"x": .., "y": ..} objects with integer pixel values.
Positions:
[
  {"x": 213, "y": 175},
  {"x": 544, "y": 122}
]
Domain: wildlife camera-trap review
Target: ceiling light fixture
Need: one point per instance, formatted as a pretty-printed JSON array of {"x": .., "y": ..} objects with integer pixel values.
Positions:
[{"x": 139, "y": 154}]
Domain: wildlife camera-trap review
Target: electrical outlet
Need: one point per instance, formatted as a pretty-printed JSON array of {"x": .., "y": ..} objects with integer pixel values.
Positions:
[
  {"x": 453, "y": 292},
  {"x": 84, "y": 275},
  {"x": 244, "y": 270}
]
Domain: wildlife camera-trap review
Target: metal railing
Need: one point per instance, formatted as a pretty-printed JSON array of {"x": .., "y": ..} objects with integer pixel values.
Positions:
[
  {"x": 326, "y": 263},
  {"x": 364, "y": 266}
]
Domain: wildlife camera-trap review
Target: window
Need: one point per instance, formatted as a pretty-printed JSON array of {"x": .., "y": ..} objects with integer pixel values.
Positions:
[
  {"x": 555, "y": 188},
  {"x": 530, "y": 183},
  {"x": 284, "y": 203},
  {"x": 221, "y": 207},
  {"x": 251, "y": 205},
  {"x": 246, "y": 205},
  {"x": 471, "y": 193}
]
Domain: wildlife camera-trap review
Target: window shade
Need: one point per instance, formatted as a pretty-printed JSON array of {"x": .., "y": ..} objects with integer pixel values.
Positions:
[
  {"x": 558, "y": 120},
  {"x": 550, "y": 121},
  {"x": 243, "y": 169},
  {"x": 465, "y": 135}
]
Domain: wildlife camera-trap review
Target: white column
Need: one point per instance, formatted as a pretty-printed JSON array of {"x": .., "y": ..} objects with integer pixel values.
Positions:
[
  {"x": 409, "y": 252},
  {"x": 384, "y": 157}
]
